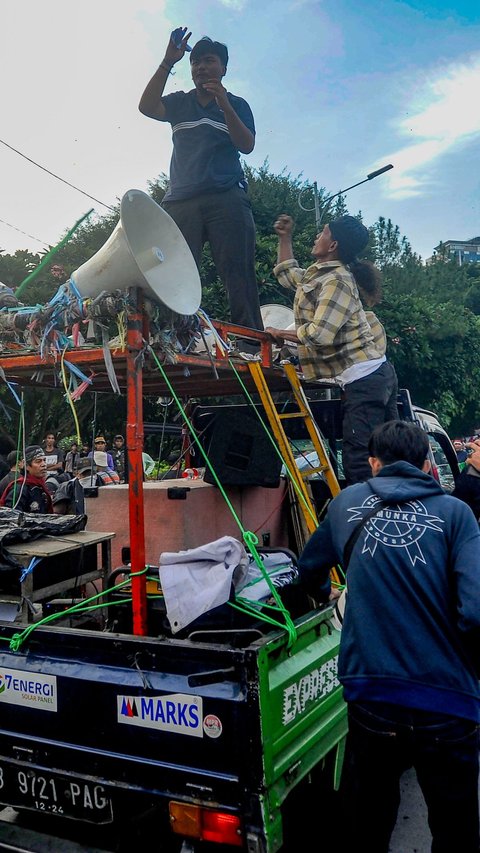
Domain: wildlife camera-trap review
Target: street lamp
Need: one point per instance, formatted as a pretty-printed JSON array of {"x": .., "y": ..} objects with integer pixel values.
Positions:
[{"x": 316, "y": 207}]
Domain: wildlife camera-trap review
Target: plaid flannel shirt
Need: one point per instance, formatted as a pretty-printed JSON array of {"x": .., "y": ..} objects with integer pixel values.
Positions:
[
  {"x": 378, "y": 332},
  {"x": 331, "y": 325}
]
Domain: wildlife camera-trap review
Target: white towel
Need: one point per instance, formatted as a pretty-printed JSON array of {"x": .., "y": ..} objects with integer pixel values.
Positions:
[{"x": 199, "y": 579}]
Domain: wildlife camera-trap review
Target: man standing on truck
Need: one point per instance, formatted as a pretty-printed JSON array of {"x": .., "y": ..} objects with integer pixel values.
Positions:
[
  {"x": 409, "y": 651},
  {"x": 28, "y": 493},
  {"x": 207, "y": 194},
  {"x": 334, "y": 337}
]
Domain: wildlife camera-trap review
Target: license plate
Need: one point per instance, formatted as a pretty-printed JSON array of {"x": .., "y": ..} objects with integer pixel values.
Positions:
[{"x": 52, "y": 793}]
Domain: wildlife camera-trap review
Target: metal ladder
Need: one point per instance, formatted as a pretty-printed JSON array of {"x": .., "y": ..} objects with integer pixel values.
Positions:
[{"x": 304, "y": 412}]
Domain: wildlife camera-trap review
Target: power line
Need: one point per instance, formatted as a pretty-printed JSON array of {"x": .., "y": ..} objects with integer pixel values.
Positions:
[
  {"x": 55, "y": 176},
  {"x": 43, "y": 242}
]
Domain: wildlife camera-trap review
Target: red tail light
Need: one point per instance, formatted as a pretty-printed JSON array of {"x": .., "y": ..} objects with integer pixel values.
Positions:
[{"x": 205, "y": 824}]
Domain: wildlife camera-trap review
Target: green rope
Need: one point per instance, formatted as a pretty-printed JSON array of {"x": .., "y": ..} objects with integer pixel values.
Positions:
[
  {"x": 17, "y": 640},
  {"x": 250, "y": 539}
]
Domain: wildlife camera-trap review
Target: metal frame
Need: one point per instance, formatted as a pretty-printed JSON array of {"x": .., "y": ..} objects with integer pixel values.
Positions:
[{"x": 137, "y": 374}]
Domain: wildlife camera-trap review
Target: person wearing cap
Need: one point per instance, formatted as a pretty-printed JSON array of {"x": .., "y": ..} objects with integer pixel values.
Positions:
[
  {"x": 207, "y": 194},
  {"x": 334, "y": 337},
  {"x": 85, "y": 471},
  {"x": 106, "y": 474},
  {"x": 28, "y": 493},
  {"x": 100, "y": 446}
]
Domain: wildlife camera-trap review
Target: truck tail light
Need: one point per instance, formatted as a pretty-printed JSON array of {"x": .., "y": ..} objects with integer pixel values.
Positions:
[{"x": 205, "y": 824}]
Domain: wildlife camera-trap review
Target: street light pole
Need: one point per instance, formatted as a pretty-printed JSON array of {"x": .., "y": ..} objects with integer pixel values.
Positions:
[{"x": 316, "y": 207}]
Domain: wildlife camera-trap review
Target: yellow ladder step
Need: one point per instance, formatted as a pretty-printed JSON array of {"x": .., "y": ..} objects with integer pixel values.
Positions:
[{"x": 304, "y": 412}]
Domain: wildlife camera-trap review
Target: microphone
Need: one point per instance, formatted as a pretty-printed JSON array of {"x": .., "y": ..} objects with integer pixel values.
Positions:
[{"x": 379, "y": 172}]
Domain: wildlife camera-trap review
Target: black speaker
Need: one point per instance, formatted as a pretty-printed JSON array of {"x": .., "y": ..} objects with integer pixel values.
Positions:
[{"x": 237, "y": 446}]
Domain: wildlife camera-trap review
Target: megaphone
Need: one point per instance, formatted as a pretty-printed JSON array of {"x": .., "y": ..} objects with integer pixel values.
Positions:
[{"x": 146, "y": 249}]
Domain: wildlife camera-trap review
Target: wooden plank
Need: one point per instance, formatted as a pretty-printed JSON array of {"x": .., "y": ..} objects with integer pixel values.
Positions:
[
  {"x": 45, "y": 547},
  {"x": 88, "y": 537},
  {"x": 51, "y": 546}
]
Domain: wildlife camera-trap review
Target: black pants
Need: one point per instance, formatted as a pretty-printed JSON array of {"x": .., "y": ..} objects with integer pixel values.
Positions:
[
  {"x": 225, "y": 221},
  {"x": 385, "y": 740},
  {"x": 367, "y": 403}
]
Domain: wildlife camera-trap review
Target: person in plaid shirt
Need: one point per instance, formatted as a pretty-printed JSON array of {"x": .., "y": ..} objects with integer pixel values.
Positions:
[{"x": 334, "y": 337}]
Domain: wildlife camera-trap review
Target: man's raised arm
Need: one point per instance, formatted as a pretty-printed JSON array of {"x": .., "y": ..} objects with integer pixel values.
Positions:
[{"x": 151, "y": 101}]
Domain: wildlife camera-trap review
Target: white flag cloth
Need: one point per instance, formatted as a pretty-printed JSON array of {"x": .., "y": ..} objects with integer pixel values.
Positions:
[{"x": 199, "y": 579}]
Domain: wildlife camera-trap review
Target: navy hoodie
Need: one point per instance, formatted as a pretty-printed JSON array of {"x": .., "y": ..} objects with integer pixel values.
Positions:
[{"x": 413, "y": 603}]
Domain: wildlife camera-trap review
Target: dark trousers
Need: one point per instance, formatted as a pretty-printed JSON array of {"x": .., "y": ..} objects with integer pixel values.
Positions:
[
  {"x": 224, "y": 220},
  {"x": 385, "y": 740},
  {"x": 367, "y": 403}
]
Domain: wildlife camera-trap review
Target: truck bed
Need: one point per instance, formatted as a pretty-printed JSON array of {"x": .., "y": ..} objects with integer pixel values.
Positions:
[{"x": 110, "y": 728}]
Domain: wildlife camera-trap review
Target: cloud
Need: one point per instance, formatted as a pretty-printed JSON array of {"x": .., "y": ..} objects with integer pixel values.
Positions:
[
  {"x": 236, "y": 5},
  {"x": 443, "y": 115}
]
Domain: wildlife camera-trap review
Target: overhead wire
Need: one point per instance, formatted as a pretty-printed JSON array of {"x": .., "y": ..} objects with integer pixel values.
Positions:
[
  {"x": 37, "y": 239},
  {"x": 44, "y": 169}
]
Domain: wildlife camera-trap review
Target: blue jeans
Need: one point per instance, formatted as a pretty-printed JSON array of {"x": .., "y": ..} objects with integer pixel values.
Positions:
[{"x": 385, "y": 740}]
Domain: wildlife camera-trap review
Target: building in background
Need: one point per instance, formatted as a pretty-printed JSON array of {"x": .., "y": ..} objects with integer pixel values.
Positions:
[{"x": 461, "y": 251}]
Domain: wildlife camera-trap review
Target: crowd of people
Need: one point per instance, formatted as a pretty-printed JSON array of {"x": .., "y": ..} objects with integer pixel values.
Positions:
[{"x": 44, "y": 478}]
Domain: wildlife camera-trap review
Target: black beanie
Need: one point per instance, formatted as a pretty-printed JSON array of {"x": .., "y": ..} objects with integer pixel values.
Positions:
[{"x": 351, "y": 236}]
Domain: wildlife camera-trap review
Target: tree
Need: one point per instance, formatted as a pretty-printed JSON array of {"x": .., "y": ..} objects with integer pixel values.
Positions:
[{"x": 431, "y": 313}]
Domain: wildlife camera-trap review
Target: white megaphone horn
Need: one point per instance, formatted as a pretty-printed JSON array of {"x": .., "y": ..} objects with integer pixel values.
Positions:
[{"x": 146, "y": 249}]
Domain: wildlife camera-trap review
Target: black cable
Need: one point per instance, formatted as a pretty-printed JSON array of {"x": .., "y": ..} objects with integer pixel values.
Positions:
[{"x": 43, "y": 242}]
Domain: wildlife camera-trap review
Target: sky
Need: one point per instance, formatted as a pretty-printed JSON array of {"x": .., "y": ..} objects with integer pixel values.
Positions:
[{"x": 337, "y": 90}]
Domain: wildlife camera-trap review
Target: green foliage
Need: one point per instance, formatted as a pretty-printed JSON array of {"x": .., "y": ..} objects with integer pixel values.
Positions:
[
  {"x": 431, "y": 313},
  {"x": 391, "y": 249}
]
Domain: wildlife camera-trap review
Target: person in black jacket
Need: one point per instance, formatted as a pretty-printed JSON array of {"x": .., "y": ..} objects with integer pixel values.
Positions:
[
  {"x": 29, "y": 493},
  {"x": 409, "y": 648}
]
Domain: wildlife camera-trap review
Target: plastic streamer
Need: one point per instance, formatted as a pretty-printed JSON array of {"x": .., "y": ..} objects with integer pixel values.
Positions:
[
  {"x": 33, "y": 562},
  {"x": 220, "y": 343},
  {"x": 107, "y": 357},
  {"x": 69, "y": 396}
]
